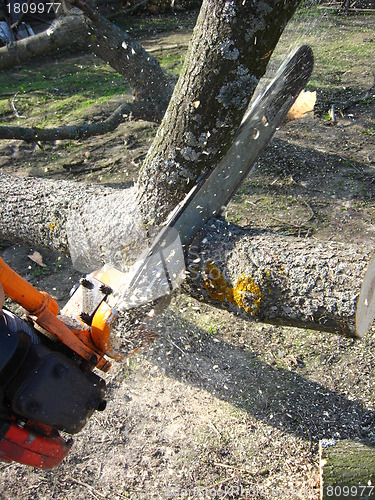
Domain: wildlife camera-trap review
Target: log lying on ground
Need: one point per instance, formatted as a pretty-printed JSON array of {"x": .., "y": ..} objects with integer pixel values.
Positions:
[
  {"x": 69, "y": 132},
  {"x": 65, "y": 32},
  {"x": 277, "y": 279},
  {"x": 347, "y": 469},
  {"x": 258, "y": 275}
]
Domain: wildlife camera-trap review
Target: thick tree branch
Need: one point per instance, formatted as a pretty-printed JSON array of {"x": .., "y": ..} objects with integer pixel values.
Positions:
[
  {"x": 261, "y": 276},
  {"x": 229, "y": 52},
  {"x": 151, "y": 88},
  {"x": 278, "y": 279}
]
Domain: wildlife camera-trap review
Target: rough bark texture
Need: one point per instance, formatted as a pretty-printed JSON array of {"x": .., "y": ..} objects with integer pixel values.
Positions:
[
  {"x": 228, "y": 54},
  {"x": 347, "y": 470},
  {"x": 266, "y": 277},
  {"x": 278, "y": 279},
  {"x": 101, "y": 223}
]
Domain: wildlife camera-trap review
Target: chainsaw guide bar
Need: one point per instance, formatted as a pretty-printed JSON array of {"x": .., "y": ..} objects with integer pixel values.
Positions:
[{"x": 164, "y": 260}]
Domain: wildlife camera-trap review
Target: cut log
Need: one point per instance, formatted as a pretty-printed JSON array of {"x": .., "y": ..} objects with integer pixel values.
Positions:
[
  {"x": 96, "y": 222},
  {"x": 277, "y": 279},
  {"x": 366, "y": 303},
  {"x": 151, "y": 89},
  {"x": 258, "y": 275},
  {"x": 347, "y": 470}
]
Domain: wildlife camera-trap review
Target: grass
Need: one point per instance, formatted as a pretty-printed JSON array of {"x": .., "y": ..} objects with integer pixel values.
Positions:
[
  {"x": 48, "y": 93},
  {"x": 171, "y": 62},
  {"x": 71, "y": 88},
  {"x": 146, "y": 25},
  {"x": 338, "y": 59}
]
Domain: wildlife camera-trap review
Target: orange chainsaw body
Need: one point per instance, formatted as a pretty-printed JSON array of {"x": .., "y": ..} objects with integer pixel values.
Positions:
[{"x": 86, "y": 336}]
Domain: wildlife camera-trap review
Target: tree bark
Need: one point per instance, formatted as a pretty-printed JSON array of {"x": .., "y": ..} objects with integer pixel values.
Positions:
[
  {"x": 98, "y": 222},
  {"x": 65, "y": 32},
  {"x": 347, "y": 470},
  {"x": 229, "y": 51},
  {"x": 259, "y": 276},
  {"x": 277, "y": 279}
]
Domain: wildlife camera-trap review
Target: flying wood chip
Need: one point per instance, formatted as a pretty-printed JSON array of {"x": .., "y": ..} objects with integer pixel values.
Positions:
[{"x": 304, "y": 103}]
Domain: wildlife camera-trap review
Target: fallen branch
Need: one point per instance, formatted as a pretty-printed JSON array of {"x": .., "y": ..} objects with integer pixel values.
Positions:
[
  {"x": 72, "y": 132},
  {"x": 15, "y": 111}
]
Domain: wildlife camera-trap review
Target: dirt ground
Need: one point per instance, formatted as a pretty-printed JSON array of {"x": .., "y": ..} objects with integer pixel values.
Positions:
[{"x": 217, "y": 407}]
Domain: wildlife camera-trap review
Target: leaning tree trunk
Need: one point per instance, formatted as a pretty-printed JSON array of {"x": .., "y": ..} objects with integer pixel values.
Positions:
[
  {"x": 229, "y": 52},
  {"x": 151, "y": 88},
  {"x": 262, "y": 276}
]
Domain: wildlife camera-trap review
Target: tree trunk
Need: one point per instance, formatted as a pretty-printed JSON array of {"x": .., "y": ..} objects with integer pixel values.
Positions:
[
  {"x": 347, "y": 470},
  {"x": 278, "y": 279},
  {"x": 229, "y": 52},
  {"x": 262, "y": 276},
  {"x": 100, "y": 221}
]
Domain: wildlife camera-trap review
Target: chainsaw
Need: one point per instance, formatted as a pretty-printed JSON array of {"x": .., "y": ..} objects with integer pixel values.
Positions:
[{"x": 47, "y": 380}]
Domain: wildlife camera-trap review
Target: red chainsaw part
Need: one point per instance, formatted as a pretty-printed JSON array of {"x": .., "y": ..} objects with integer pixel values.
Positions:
[{"x": 28, "y": 447}]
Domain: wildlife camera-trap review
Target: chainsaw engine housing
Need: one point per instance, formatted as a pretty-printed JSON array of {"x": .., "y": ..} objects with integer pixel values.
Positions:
[{"x": 43, "y": 385}]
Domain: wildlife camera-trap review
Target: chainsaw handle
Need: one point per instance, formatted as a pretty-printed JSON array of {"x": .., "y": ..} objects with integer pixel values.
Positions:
[
  {"x": 22, "y": 292},
  {"x": 45, "y": 309}
]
